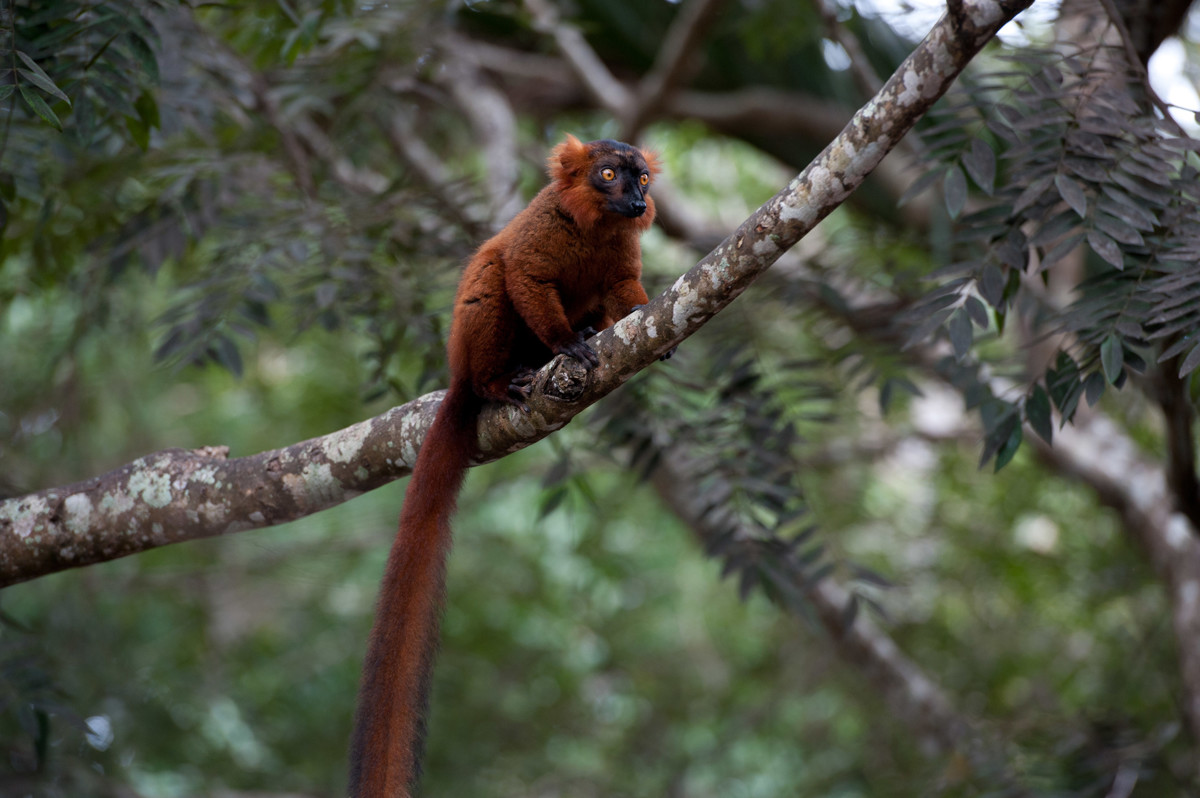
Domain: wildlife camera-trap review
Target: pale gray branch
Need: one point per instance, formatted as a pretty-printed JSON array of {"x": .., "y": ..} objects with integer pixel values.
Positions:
[
  {"x": 412, "y": 150},
  {"x": 494, "y": 123}
]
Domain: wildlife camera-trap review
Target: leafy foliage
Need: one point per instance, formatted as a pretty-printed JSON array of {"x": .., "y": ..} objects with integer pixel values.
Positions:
[
  {"x": 739, "y": 425},
  {"x": 1068, "y": 160},
  {"x": 86, "y": 69}
]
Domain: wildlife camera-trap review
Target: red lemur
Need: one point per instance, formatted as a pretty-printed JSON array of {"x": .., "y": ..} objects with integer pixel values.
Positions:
[{"x": 567, "y": 265}]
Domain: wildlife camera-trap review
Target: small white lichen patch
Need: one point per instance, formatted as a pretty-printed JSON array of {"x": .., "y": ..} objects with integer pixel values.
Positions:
[
  {"x": 626, "y": 329},
  {"x": 206, "y": 475},
  {"x": 984, "y": 14},
  {"x": 651, "y": 328},
  {"x": 115, "y": 503},
  {"x": 804, "y": 213},
  {"x": 912, "y": 87},
  {"x": 212, "y": 512},
  {"x": 154, "y": 489},
  {"x": 764, "y": 247},
  {"x": 686, "y": 303},
  {"x": 344, "y": 445},
  {"x": 314, "y": 486},
  {"x": 77, "y": 509},
  {"x": 870, "y": 157},
  {"x": 409, "y": 441},
  {"x": 25, "y": 520}
]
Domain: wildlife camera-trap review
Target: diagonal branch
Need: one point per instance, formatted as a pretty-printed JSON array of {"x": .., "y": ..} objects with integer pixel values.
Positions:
[
  {"x": 412, "y": 151},
  {"x": 914, "y": 696},
  {"x": 676, "y": 57},
  {"x": 606, "y": 91},
  {"x": 177, "y": 495}
]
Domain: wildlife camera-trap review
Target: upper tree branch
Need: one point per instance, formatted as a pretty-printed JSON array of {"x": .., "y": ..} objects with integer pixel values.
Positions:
[
  {"x": 545, "y": 83},
  {"x": 675, "y": 58},
  {"x": 177, "y": 496},
  {"x": 605, "y": 90}
]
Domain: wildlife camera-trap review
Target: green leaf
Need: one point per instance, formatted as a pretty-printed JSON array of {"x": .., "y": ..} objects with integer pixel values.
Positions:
[
  {"x": 977, "y": 311},
  {"x": 956, "y": 191},
  {"x": 1190, "y": 362},
  {"x": 145, "y": 56},
  {"x": 1106, "y": 248},
  {"x": 1118, "y": 230},
  {"x": 139, "y": 132},
  {"x": 302, "y": 38},
  {"x": 999, "y": 433},
  {"x": 1072, "y": 194},
  {"x": 1093, "y": 388},
  {"x": 1112, "y": 358},
  {"x": 38, "y": 77},
  {"x": 1061, "y": 250},
  {"x": 39, "y": 107},
  {"x": 6, "y": 91},
  {"x": 1009, "y": 448},
  {"x": 1037, "y": 412},
  {"x": 980, "y": 164},
  {"x": 147, "y": 110},
  {"x": 991, "y": 285},
  {"x": 920, "y": 185},
  {"x": 961, "y": 334},
  {"x": 1032, "y": 193}
]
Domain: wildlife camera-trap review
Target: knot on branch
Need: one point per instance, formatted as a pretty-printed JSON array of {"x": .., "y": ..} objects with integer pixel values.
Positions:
[{"x": 565, "y": 381}]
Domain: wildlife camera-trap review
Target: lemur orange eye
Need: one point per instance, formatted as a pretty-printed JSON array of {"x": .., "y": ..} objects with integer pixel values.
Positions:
[
  {"x": 644, "y": 179},
  {"x": 608, "y": 174}
]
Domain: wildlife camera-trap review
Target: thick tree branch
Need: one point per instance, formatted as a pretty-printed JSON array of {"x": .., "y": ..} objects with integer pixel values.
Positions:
[{"x": 176, "y": 495}]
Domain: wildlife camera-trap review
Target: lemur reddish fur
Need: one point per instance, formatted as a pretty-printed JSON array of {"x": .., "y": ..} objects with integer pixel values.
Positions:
[{"x": 568, "y": 263}]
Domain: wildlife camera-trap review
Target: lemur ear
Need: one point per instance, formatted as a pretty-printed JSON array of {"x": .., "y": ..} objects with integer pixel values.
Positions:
[
  {"x": 568, "y": 159},
  {"x": 653, "y": 164}
]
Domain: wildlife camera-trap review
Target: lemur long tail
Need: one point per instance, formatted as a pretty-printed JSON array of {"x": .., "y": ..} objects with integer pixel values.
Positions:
[{"x": 389, "y": 728}]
